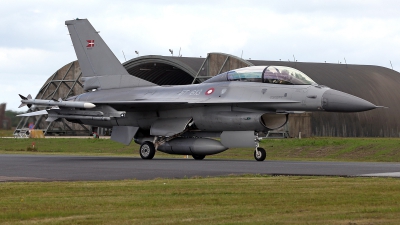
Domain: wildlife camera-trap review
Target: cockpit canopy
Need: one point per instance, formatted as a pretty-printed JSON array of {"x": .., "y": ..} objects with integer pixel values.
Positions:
[{"x": 265, "y": 74}]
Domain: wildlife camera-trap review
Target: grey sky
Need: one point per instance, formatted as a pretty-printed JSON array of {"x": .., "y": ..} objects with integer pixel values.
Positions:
[{"x": 34, "y": 41}]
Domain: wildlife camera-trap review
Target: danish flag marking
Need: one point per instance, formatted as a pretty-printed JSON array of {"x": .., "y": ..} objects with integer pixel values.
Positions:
[
  {"x": 209, "y": 91},
  {"x": 90, "y": 43}
]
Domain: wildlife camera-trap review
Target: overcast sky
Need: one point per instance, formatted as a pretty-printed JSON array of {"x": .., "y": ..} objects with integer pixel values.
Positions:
[{"x": 34, "y": 41}]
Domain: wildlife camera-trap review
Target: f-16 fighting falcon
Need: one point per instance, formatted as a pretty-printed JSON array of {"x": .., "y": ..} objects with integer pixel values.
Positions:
[{"x": 233, "y": 107}]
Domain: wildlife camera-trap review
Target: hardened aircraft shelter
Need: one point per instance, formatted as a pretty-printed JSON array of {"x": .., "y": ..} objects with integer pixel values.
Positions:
[{"x": 376, "y": 84}]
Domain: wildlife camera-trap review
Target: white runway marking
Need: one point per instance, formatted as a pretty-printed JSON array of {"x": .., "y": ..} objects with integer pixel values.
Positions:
[{"x": 392, "y": 174}]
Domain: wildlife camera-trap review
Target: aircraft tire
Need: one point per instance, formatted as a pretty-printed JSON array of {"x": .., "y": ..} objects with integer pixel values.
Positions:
[
  {"x": 198, "y": 157},
  {"x": 262, "y": 154},
  {"x": 147, "y": 150}
]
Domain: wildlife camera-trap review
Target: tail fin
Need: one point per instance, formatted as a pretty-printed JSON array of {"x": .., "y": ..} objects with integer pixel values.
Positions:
[{"x": 100, "y": 68}]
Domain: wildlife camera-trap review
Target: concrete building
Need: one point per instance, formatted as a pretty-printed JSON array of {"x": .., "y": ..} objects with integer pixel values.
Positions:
[{"x": 5, "y": 123}]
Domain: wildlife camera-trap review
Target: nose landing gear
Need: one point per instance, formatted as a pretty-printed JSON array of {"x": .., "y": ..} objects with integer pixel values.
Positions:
[{"x": 259, "y": 154}]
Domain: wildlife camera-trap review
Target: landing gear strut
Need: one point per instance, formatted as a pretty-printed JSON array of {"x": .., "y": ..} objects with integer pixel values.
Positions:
[
  {"x": 259, "y": 153},
  {"x": 147, "y": 150}
]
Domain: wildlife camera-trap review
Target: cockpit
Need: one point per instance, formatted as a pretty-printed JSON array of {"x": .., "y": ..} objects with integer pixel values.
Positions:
[{"x": 265, "y": 74}]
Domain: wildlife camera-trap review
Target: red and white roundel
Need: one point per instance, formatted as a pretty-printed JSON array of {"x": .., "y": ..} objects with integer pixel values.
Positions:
[{"x": 210, "y": 91}]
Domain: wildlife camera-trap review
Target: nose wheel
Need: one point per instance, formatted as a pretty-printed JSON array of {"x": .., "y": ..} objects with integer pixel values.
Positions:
[{"x": 260, "y": 154}]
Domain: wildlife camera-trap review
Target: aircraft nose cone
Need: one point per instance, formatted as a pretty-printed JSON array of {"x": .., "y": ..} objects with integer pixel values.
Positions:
[{"x": 337, "y": 101}]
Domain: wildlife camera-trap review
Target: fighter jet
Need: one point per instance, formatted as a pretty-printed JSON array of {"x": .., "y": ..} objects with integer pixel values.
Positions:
[{"x": 233, "y": 107}]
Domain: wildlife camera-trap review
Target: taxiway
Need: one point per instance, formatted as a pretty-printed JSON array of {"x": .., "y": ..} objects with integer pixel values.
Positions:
[{"x": 75, "y": 168}]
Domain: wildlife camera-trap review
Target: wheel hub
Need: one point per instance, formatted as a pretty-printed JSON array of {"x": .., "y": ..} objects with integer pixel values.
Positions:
[{"x": 145, "y": 150}]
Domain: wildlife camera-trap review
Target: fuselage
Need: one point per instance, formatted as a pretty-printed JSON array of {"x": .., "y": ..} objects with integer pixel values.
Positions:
[{"x": 216, "y": 106}]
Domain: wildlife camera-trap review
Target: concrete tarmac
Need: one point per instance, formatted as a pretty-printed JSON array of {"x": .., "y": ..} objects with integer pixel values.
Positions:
[{"x": 88, "y": 168}]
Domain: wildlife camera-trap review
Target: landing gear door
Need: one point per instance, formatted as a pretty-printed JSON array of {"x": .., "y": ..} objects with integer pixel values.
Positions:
[
  {"x": 238, "y": 139},
  {"x": 123, "y": 134},
  {"x": 169, "y": 126}
]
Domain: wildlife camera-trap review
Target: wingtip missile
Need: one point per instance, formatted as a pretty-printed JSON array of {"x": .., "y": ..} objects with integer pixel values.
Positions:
[{"x": 60, "y": 103}]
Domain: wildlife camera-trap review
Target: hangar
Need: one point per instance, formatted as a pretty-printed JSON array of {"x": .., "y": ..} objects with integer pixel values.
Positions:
[{"x": 376, "y": 84}]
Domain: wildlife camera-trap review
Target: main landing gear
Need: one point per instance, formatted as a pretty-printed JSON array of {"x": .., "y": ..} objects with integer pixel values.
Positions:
[
  {"x": 259, "y": 154},
  {"x": 147, "y": 150}
]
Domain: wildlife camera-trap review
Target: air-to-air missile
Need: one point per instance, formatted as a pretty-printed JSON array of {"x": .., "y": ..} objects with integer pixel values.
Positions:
[{"x": 28, "y": 101}]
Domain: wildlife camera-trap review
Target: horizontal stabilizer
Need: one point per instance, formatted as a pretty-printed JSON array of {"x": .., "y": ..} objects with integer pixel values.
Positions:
[{"x": 51, "y": 118}]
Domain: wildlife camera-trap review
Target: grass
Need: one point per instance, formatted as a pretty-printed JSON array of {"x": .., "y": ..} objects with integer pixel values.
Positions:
[
  {"x": 325, "y": 149},
  {"x": 223, "y": 200},
  {"x": 6, "y": 133},
  {"x": 88, "y": 146},
  {"x": 247, "y": 199}
]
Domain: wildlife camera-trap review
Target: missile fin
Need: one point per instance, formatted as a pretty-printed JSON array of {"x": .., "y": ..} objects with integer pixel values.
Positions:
[{"x": 22, "y": 97}]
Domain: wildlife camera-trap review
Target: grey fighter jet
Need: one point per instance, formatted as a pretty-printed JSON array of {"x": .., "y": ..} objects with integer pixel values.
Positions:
[{"x": 233, "y": 106}]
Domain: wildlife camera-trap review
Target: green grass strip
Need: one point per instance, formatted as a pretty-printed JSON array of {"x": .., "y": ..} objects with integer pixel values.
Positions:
[
  {"x": 317, "y": 149},
  {"x": 226, "y": 200}
]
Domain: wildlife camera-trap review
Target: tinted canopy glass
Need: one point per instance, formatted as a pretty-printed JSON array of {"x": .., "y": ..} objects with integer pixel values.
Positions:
[
  {"x": 265, "y": 74},
  {"x": 251, "y": 74},
  {"x": 285, "y": 75}
]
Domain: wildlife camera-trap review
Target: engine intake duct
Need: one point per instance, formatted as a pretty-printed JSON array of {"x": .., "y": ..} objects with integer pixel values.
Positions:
[{"x": 274, "y": 121}]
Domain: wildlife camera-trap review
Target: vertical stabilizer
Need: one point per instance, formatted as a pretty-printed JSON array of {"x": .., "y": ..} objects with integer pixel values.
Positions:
[{"x": 100, "y": 67}]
